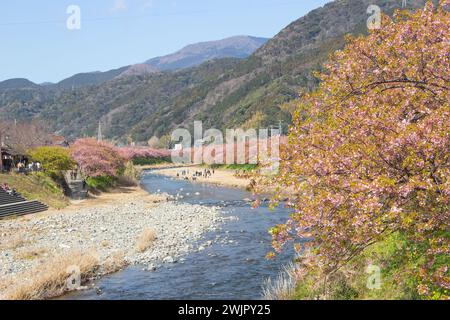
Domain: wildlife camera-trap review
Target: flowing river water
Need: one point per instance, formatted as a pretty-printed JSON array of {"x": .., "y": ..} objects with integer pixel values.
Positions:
[{"x": 234, "y": 267}]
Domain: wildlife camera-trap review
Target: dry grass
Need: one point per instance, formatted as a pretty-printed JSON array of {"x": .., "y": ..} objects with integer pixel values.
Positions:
[
  {"x": 31, "y": 253},
  {"x": 4, "y": 285},
  {"x": 12, "y": 243},
  {"x": 114, "y": 263},
  {"x": 145, "y": 240},
  {"x": 105, "y": 244},
  {"x": 50, "y": 278},
  {"x": 283, "y": 287}
]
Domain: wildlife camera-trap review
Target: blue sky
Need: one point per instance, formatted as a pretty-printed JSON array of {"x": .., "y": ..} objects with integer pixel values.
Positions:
[{"x": 36, "y": 44}]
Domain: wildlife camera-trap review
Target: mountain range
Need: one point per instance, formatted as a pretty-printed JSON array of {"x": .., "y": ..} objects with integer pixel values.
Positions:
[
  {"x": 190, "y": 56},
  {"x": 195, "y": 54},
  {"x": 237, "y": 82}
]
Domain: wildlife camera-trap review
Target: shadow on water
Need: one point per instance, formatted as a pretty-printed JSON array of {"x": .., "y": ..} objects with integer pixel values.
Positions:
[{"x": 234, "y": 267}]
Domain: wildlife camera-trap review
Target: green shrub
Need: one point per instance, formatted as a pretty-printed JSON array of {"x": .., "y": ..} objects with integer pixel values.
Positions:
[
  {"x": 241, "y": 167},
  {"x": 397, "y": 258},
  {"x": 149, "y": 161},
  {"x": 53, "y": 159},
  {"x": 101, "y": 183},
  {"x": 130, "y": 175}
]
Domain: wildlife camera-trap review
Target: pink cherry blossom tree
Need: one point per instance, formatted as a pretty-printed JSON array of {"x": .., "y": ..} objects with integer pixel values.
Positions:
[
  {"x": 97, "y": 158},
  {"x": 369, "y": 151}
]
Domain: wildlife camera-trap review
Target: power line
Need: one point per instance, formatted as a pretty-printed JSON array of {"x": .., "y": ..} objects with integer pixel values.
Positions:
[{"x": 135, "y": 17}]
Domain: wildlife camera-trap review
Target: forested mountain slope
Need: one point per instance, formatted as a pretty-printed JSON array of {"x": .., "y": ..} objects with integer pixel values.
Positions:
[{"x": 223, "y": 93}]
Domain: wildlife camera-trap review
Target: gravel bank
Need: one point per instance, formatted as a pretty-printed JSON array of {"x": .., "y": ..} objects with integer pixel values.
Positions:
[{"x": 108, "y": 230}]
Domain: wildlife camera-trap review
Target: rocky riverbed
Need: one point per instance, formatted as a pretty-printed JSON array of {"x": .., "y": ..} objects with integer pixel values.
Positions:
[{"x": 109, "y": 230}]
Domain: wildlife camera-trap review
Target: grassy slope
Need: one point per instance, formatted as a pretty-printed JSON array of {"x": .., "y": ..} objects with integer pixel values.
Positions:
[
  {"x": 37, "y": 187},
  {"x": 398, "y": 265}
]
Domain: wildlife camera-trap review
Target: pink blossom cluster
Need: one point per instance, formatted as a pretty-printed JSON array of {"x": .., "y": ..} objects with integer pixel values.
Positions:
[
  {"x": 130, "y": 153},
  {"x": 369, "y": 151},
  {"x": 97, "y": 158}
]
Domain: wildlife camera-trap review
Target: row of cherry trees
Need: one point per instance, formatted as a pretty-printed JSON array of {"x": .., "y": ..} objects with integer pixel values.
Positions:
[{"x": 101, "y": 158}]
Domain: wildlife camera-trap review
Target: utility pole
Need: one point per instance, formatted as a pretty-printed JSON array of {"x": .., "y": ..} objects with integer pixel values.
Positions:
[{"x": 280, "y": 127}]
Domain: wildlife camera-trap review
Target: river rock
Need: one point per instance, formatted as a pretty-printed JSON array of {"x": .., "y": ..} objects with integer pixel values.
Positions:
[
  {"x": 108, "y": 230},
  {"x": 169, "y": 259}
]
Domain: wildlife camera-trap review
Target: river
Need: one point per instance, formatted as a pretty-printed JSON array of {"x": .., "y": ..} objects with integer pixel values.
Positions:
[{"x": 233, "y": 267}]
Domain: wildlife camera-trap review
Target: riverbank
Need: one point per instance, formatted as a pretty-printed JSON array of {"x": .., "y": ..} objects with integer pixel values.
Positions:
[
  {"x": 96, "y": 237},
  {"x": 222, "y": 177}
]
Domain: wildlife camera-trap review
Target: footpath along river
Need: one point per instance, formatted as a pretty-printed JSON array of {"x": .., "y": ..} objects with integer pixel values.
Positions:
[{"x": 232, "y": 267}]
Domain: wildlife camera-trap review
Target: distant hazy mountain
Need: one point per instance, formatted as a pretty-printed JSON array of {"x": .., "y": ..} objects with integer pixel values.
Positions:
[
  {"x": 192, "y": 55},
  {"x": 195, "y": 54},
  {"x": 89, "y": 78},
  {"x": 138, "y": 69},
  {"x": 18, "y": 83}
]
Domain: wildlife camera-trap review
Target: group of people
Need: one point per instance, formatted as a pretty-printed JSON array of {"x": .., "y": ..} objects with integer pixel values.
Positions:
[
  {"x": 206, "y": 173},
  {"x": 23, "y": 167},
  {"x": 6, "y": 188},
  {"x": 34, "y": 166},
  {"x": 74, "y": 174}
]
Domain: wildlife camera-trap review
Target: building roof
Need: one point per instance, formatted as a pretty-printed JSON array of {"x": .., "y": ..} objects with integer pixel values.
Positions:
[{"x": 7, "y": 150}]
